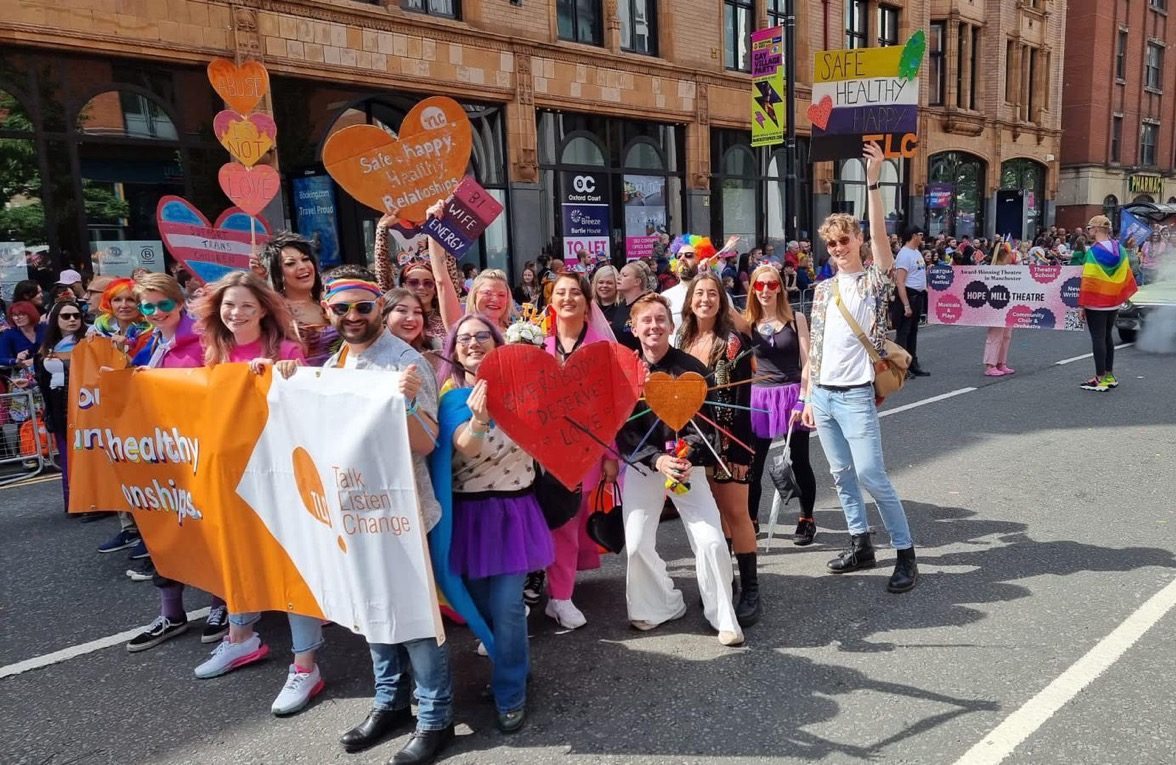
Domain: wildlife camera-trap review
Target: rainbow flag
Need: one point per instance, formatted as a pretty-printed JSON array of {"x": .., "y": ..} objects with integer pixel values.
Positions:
[{"x": 1107, "y": 280}]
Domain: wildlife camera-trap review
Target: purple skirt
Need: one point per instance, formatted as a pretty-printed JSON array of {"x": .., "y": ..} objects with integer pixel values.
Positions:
[
  {"x": 499, "y": 533},
  {"x": 778, "y": 400}
]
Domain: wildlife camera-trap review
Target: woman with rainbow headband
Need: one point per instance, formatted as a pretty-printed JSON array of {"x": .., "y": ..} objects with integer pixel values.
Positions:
[
  {"x": 1107, "y": 283},
  {"x": 120, "y": 320}
]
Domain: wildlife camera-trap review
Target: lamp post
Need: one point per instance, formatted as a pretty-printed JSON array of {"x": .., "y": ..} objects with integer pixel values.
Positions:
[{"x": 791, "y": 185}]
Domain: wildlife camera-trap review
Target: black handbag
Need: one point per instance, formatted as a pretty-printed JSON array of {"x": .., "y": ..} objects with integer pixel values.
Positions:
[
  {"x": 558, "y": 503},
  {"x": 606, "y": 524}
]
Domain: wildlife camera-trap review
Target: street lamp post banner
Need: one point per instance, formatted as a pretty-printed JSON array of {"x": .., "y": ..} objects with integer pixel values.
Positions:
[
  {"x": 290, "y": 495},
  {"x": 1020, "y": 297},
  {"x": 767, "y": 87}
]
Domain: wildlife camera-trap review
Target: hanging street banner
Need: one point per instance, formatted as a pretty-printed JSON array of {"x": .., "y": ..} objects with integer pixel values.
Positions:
[
  {"x": 767, "y": 87},
  {"x": 866, "y": 94},
  {"x": 279, "y": 495},
  {"x": 1022, "y": 297}
]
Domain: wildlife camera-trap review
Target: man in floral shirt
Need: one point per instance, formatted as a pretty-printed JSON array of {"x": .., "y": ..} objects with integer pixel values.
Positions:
[{"x": 839, "y": 376}]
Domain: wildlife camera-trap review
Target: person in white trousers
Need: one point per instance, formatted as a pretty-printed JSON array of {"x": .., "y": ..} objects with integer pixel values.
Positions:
[{"x": 650, "y": 593}]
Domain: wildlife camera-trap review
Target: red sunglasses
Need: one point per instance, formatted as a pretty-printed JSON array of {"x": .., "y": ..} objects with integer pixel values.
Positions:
[{"x": 769, "y": 286}]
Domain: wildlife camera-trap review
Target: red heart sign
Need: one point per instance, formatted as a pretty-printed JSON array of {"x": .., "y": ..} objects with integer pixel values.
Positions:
[
  {"x": 250, "y": 188},
  {"x": 820, "y": 112},
  {"x": 532, "y": 398}
]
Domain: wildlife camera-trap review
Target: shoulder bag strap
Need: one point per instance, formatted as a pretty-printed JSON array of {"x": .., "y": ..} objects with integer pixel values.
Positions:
[{"x": 875, "y": 357}]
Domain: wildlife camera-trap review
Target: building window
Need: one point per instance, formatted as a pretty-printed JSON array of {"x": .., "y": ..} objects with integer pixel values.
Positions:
[
  {"x": 1010, "y": 95},
  {"x": 1116, "y": 137},
  {"x": 738, "y": 20},
  {"x": 638, "y": 26},
  {"x": 967, "y": 39},
  {"x": 856, "y": 24},
  {"x": 1148, "y": 133},
  {"x": 1029, "y": 72},
  {"x": 887, "y": 26},
  {"x": 776, "y": 15},
  {"x": 450, "y": 9},
  {"x": 579, "y": 21},
  {"x": 975, "y": 68},
  {"x": 1110, "y": 206},
  {"x": 937, "y": 75},
  {"x": 1153, "y": 66},
  {"x": 1159, "y": 5},
  {"x": 957, "y": 188},
  {"x": 1121, "y": 55}
]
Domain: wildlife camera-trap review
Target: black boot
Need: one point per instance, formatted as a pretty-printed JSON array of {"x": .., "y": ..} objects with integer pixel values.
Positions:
[
  {"x": 423, "y": 747},
  {"x": 806, "y": 531},
  {"x": 906, "y": 572},
  {"x": 734, "y": 581},
  {"x": 917, "y": 370},
  {"x": 749, "y": 608},
  {"x": 859, "y": 555},
  {"x": 378, "y": 725}
]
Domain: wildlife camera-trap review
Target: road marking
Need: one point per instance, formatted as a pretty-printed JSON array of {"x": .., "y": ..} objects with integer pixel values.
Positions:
[
  {"x": 32, "y": 481},
  {"x": 1018, "y": 726},
  {"x": 65, "y": 654},
  {"x": 1088, "y": 355},
  {"x": 924, "y": 402}
]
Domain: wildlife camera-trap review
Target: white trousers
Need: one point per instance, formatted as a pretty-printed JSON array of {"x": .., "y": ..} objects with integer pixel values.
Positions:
[{"x": 649, "y": 591}]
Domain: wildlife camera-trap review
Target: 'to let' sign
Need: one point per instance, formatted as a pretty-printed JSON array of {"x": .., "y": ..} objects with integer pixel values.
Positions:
[{"x": 405, "y": 174}]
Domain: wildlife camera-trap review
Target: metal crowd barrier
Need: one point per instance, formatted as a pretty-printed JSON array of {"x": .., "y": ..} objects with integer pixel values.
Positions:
[{"x": 28, "y": 453}]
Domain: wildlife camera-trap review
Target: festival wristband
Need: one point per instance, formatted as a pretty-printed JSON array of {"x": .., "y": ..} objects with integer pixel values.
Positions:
[
  {"x": 412, "y": 407},
  {"x": 478, "y": 434}
]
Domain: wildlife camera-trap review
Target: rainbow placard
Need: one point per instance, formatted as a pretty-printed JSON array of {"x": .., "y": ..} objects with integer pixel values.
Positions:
[{"x": 866, "y": 94}]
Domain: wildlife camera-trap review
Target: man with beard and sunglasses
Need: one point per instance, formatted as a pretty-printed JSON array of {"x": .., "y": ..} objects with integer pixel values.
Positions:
[
  {"x": 838, "y": 382},
  {"x": 354, "y": 304}
]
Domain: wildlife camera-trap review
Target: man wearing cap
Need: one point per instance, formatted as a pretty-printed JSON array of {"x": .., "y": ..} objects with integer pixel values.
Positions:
[
  {"x": 72, "y": 279},
  {"x": 910, "y": 281}
]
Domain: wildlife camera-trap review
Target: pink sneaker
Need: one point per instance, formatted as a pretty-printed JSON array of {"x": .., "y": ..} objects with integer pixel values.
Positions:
[
  {"x": 993, "y": 372},
  {"x": 1006, "y": 370}
]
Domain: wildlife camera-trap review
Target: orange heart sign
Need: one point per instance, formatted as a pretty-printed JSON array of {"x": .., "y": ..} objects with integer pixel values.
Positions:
[
  {"x": 675, "y": 399},
  {"x": 408, "y": 173},
  {"x": 250, "y": 188},
  {"x": 246, "y": 138},
  {"x": 240, "y": 86}
]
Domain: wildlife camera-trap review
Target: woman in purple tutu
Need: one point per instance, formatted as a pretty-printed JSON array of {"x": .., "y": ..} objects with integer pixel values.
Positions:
[{"x": 780, "y": 339}]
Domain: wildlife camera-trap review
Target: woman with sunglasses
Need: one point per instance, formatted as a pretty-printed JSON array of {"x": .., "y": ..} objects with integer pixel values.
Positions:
[
  {"x": 173, "y": 344},
  {"x": 780, "y": 339},
  {"x": 293, "y": 270},
  {"x": 708, "y": 334},
  {"x": 65, "y": 329},
  {"x": 499, "y": 533}
]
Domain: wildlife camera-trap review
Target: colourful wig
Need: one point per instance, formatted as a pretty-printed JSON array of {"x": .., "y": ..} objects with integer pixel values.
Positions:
[
  {"x": 113, "y": 290},
  {"x": 704, "y": 251}
]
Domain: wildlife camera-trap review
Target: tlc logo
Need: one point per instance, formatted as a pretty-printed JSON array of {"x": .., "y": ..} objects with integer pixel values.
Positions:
[
  {"x": 88, "y": 398},
  {"x": 310, "y": 489}
]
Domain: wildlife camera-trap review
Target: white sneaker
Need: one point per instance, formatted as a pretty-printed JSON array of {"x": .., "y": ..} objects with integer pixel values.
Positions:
[
  {"x": 481, "y": 649},
  {"x": 228, "y": 656},
  {"x": 565, "y": 614},
  {"x": 299, "y": 689}
]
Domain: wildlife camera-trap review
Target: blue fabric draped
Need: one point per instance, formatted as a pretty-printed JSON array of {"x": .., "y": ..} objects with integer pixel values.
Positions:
[{"x": 451, "y": 412}]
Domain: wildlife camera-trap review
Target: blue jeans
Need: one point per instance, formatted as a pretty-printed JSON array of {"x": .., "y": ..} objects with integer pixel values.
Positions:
[
  {"x": 425, "y": 663},
  {"x": 306, "y": 633},
  {"x": 847, "y": 422},
  {"x": 500, "y": 601}
]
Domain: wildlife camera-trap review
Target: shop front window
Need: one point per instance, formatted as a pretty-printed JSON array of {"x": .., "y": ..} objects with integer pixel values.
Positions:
[
  {"x": 1111, "y": 206},
  {"x": 956, "y": 189},
  {"x": 851, "y": 195},
  {"x": 22, "y": 216},
  {"x": 1030, "y": 176}
]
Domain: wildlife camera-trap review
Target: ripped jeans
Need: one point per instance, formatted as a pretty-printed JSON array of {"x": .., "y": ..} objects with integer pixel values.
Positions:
[{"x": 847, "y": 422}]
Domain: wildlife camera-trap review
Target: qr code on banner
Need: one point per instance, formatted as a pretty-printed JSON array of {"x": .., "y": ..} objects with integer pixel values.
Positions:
[{"x": 1074, "y": 319}]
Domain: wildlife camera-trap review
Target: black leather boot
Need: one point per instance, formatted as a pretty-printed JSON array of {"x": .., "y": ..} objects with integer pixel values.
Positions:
[
  {"x": 423, "y": 747},
  {"x": 378, "y": 725},
  {"x": 749, "y": 608},
  {"x": 860, "y": 555},
  {"x": 906, "y": 572},
  {"x": 806, "y": 531},
  {"x": 734, "y": 581}
]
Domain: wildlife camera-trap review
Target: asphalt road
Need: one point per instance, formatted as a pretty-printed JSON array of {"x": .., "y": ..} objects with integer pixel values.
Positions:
[{"x": 1043, "y": 517}]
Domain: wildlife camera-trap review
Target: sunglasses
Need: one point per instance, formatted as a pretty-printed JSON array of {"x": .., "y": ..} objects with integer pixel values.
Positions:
[
  {"x": 69, "y": 316},
  {"x": 769, "y": 286},
  {"x": 419, "y": 283},
  {"x": 478, "y": 337},
  {"x": 362, "y": 308},
  {"x": 147, "y": 309},
  {"x": 843, "y": 241}
]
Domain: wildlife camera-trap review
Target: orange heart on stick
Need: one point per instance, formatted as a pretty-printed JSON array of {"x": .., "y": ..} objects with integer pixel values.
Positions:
[
  {"x": 240, "y": 86},
  {"x": 674, "y": 400},
  {"x": 406, "y": 173},
  {"x": 250, "y": 188}
]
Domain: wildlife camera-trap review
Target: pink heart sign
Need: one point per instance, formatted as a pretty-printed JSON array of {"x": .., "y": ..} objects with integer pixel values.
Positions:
[
  {"x": 248, "y": 139},
  {"x": 209, "y": 251},
  {"x": 250, "y": 188}
]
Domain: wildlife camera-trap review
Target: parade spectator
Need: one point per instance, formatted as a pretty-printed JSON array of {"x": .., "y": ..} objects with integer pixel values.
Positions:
[
  {"x": 635, "y": 280},
  {"x": 686, "y": 256},
  {"x": 840, "y": 398},
  {"x": 63, "y": 331},
  {"x": 25, "y": 334},
  {"x": 910, "y": 282},
  {"x": 650, "y": 594},
  {"x": 468, "y": 271},
  {"x": 1107, "y": 282},
  {"x": 529, "y": 289},
  {"x": 996, "y": 343}
]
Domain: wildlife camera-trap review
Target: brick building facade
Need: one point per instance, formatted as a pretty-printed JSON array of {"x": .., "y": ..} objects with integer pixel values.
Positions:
[
  {"x": 649, "y": 98},
  {"x": 1119, "y": 109}
]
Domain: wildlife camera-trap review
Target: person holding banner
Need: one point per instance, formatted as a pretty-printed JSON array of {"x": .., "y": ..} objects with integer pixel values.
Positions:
[
  {"x": 1107, "y": 283},
  {"x": 293, "y": 270},
  {"x": 499, "y": 532},
  {"x": 65, "y": 329},
  {"x": 998, "y": 339},
  {"x": 649, "y": 592},
  {"x": 842, "y": 407}
]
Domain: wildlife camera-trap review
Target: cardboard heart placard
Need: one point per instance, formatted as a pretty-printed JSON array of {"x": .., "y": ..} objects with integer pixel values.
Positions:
[
  {"x": 674, "y": 400},
  {"x": 405, "y": 173},
  {"x": 242, "y": 87},
  {"x": 209, "y": 251},
  {"x": 532, "y": 398},
  {"x": 820, "y": 112},
  {"x": 246, "y": 138},
  {"x": 250, "y": 188}
]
